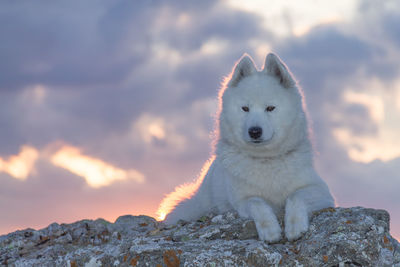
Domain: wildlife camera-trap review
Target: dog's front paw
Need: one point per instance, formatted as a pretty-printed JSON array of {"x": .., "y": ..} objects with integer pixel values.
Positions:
[
  {"x": 296, "y": 220},
  {"x": 295, "y": 227},
  {"x": 268, "y": 229},
  {"x": 267, "y": 224}
]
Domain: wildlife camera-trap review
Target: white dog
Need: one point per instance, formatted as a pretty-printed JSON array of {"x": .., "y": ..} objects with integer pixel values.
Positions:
[{"x": 263, "y": 163}]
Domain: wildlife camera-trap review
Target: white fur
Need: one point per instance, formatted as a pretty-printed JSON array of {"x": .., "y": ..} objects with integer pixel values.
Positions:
[{"x": 268, "y": 180}]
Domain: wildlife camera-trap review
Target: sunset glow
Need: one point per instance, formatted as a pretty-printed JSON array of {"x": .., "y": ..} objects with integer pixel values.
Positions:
[
  {"x": 20, "y": 166},
  {"x": 96, "y": 172}
]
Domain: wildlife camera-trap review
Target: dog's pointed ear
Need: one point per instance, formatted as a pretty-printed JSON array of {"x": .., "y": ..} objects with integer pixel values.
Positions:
[
  {"x": 274, "y": 66},
  {"x": 245, "y": 67}
]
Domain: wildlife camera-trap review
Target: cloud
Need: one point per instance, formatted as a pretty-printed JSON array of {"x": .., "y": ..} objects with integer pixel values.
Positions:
[
  {"x": 103, "y": 70},
  {"x": 151, "y": 129},
  {"x": 325, "y": 53},
  {"x": 373, "y": 103},
  {"x": 380, "y": 100},
  {"x": 366, "y": 149},
  {"x": 287, "y": 18},
  {"x": 85, "y": 48},
  {"x": 177, "y": 133},
  {"x": 96, "y": 172},
  {"x": 22, "y": 165}
]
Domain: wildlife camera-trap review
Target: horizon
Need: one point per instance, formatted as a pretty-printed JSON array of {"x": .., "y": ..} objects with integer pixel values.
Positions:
[{"x": 106, "y": 107}]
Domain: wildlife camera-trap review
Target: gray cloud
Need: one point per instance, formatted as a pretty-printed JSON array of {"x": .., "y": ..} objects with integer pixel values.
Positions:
[
  {"x": 323, "y": 55},
  {"x": 100, "y": 68}
]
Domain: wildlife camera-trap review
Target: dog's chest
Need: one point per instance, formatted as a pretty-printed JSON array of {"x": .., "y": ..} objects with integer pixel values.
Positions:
[{"x": 273, "y": 180}]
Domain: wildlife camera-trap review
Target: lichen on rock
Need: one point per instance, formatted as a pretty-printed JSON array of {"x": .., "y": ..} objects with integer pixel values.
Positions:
[{"x": 336, "y": 237}]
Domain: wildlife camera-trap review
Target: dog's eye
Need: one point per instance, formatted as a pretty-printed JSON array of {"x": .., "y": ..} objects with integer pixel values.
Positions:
[
  {"x": 245, "y": 109},
  {"x": 269, "y": 108}
]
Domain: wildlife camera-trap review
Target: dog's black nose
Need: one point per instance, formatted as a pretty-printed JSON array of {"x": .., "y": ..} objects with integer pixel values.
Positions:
[{"x": 255, "y": 132}]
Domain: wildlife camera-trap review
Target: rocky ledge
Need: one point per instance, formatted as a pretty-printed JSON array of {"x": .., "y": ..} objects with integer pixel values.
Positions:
[{"x": 337, "y": 237}]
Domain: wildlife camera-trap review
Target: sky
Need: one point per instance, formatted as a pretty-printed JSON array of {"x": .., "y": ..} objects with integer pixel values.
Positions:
[{"x": 107, "y": 106}]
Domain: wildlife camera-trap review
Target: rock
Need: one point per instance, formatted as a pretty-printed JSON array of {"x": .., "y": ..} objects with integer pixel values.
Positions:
[{"x": 337, "y": 237}]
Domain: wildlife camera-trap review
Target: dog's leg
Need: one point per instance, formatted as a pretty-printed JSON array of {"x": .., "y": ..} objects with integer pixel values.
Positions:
[
  {"x": 264, "y": 217},
  {"x": 300, "y": 204}
]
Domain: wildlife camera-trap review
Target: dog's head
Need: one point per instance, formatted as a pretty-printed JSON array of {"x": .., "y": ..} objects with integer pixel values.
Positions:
[{"x": 262, "y": 111}]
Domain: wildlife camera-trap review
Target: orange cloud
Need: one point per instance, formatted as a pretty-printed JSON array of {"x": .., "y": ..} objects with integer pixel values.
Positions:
[
  {"x": 96, "y": 172},
  {"x": 21, "y": 165}
]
